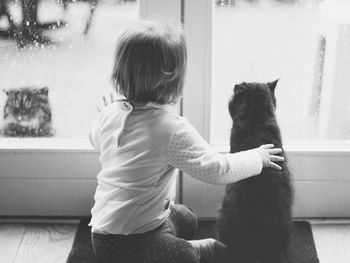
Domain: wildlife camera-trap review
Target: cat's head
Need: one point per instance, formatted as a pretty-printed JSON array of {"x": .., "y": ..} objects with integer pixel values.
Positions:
[
  {"x": 253, "y": 100},
  {"x": 23, "y": 104}
]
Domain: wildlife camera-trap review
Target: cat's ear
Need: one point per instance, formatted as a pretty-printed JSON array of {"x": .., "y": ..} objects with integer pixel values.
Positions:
[
  {"x": 44, "y": 91},
  {"x": 239, "y": 88},
  {"x": 272, "y": 85},
  {"x": 5, "y": 91}
]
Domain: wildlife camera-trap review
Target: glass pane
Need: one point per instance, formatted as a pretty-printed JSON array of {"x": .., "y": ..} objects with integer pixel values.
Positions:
[
  {"x": 263, "y": 40},
  {"x": 56, "y": 57}
]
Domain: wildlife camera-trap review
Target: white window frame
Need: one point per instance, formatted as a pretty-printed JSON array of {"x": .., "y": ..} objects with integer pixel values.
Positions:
[{"x": 57, "y": 177}]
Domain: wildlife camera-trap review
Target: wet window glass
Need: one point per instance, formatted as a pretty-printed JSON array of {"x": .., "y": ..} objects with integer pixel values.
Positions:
[{"x": 55, "y": 64}]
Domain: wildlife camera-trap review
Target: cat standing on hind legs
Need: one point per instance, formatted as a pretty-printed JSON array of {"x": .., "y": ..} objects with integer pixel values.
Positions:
[
  {"x": 27, "y": 113},
  {"x": 255, "y": 217}
]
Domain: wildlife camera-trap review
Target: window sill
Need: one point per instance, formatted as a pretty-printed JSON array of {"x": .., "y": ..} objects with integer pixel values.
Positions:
[
  {"x": 45, "y": 145},
  {"x": 307, "y": 147},
  {"x": 83, "y": 145}
]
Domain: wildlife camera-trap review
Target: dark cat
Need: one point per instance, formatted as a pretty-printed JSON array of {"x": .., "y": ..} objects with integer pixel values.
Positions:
[
  {"x": 255, "y": 217},
  {"x": 27, "y": 113}
]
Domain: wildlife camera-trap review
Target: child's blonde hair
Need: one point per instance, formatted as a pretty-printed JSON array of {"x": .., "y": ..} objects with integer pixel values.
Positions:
[{"x": 150, "y": 63}]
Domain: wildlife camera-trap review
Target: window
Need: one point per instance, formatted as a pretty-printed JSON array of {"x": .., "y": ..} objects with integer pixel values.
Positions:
[
  {"x": 306, "y": 45},
  {"x": 66, "y": 47}
]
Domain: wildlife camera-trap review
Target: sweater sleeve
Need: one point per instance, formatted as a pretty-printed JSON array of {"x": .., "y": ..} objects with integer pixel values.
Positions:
[{"x": 190, "y": 153}]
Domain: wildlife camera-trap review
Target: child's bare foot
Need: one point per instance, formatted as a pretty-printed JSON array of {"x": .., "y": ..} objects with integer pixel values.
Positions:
[{"x": 209, "y": 250}]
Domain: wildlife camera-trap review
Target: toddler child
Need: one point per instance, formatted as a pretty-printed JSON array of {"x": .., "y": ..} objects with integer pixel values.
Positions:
[{"x": 142, "y": 142}]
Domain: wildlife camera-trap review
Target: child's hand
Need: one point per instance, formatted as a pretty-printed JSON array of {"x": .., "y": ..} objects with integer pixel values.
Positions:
[
  {"x": 267, "y": 153},
  {"x": 105, "y": 103}
]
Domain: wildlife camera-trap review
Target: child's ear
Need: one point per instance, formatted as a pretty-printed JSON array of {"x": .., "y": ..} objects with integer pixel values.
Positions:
[
  {"x": 5, "y": 91},
  {"x": 239, "y": 88},
  {"x": 272, "y": 85}
]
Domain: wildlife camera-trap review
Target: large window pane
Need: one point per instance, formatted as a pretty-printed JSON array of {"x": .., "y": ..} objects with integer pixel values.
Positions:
[
  {"x": 264, "y": 40},
  {"x": 66, "y": 46}
]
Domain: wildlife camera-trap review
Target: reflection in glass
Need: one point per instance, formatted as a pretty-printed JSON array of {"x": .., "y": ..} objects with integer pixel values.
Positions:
[{"x": 264, "y": 40}]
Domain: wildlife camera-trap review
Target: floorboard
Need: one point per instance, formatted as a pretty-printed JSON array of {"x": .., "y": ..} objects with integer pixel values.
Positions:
[
  {"x": 332, "y": 242},
  {"x": 36, "y": 243},
  {"x": 11, "y": 236}
]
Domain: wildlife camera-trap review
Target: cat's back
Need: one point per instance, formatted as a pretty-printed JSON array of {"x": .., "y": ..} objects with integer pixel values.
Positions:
[{"x": 270, "y": 184}]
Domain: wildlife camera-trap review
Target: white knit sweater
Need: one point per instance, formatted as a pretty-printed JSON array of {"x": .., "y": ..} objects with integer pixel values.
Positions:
[{"x": 141, "y": 150}]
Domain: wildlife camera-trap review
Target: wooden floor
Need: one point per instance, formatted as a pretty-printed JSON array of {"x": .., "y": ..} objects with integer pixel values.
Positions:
[
  {"x": 50, "y": 242},
  {"x": 36, "y": 242}
]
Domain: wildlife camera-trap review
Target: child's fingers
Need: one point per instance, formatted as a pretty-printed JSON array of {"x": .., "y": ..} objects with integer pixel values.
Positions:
[
  {"x": 275, "y": 166},
  {"x": 275, "y": 151},
  {"x": 104, "y": 101},
  {"x": 267, "y": 146},
  {"x": 275, "y": 158},
  {"x": 111, "y": 97}
]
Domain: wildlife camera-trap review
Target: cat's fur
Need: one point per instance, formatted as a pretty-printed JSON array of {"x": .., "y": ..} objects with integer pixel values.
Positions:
[
  {"x": 255, "y": 217},
  {"x": 27, "y": 113}
]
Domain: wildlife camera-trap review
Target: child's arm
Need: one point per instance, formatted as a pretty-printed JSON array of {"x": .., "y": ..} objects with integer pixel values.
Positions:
[
  {"x": 189, "y": 152},
  {"x": 93, "y": 127},
  {"x": 92, "y": 135}
]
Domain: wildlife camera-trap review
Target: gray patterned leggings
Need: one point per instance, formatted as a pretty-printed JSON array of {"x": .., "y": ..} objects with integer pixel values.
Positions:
[{"x": 166, "y": 244}]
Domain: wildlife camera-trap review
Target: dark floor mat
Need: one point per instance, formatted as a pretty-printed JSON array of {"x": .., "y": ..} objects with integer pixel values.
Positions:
[{"x": 301, "y": 249}]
